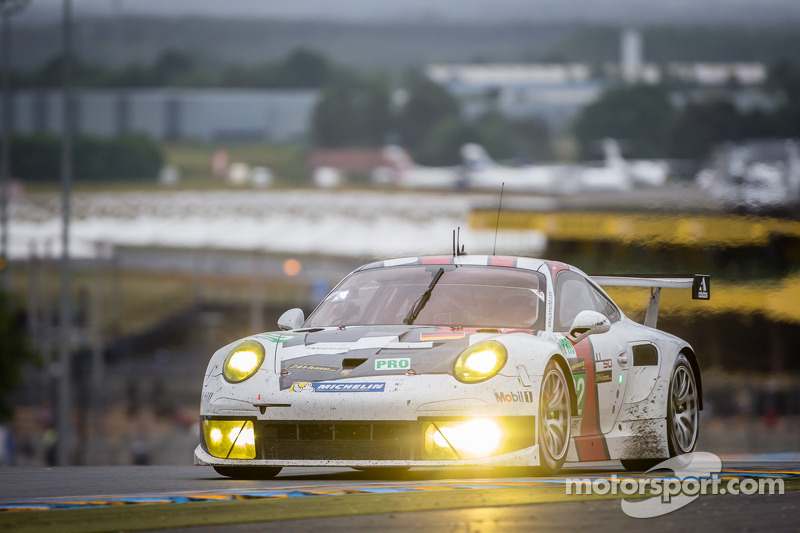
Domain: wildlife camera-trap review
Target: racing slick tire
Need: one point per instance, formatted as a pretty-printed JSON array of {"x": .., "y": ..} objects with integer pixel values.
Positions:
[
  {"x": 683, "y": 416},
  {"x": 553, "y": 426},
  {"x": 248, "y": 472}
]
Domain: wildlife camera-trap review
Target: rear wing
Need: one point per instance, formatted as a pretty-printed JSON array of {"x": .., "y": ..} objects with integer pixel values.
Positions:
[{"x": 699, "y": 283}]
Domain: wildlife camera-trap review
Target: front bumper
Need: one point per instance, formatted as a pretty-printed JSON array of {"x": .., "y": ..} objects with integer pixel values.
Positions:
[
  {"x": 525, "y": 457},
  {"x": 427, "y": 441}
]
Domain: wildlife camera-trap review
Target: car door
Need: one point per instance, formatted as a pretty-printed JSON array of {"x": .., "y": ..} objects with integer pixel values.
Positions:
[{"x": 603, "y": 356}]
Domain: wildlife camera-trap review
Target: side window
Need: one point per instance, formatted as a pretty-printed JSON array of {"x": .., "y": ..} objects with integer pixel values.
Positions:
[
  {"x": 573, "y": 295},
  {"x": 604, "y": 305}
]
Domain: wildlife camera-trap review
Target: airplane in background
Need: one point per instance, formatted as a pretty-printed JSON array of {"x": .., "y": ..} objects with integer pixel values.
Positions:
[
  {"x": 480, "y": 171},
  {"x": 755, "y": 175},
  {"x": 614, "y": 173},
  {"x": 404, "y": 172}
]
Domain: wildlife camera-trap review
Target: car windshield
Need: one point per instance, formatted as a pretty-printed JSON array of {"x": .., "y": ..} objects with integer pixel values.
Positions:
[{"x": 466, "y": 296}]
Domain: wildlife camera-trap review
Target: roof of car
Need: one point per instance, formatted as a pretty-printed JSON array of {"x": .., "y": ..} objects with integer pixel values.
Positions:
[{"x": 526, "y": 263}]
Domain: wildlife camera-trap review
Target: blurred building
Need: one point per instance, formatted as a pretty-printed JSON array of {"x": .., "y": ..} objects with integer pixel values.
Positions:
[
  {"x": 198, "y": 115},
  {"x": 550, "y": 91},
  {"x": 556, "y": 92}
]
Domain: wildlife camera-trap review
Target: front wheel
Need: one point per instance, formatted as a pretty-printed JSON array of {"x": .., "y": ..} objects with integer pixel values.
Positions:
[
  {"x": 554, "y": 423},
  {"x": 553, "y": 426},
  {"x": 248, "y": 472}
]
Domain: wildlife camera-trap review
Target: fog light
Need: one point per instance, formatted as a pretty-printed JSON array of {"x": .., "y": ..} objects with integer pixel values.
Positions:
[
  {"x": 462, "y": 439},
  {"x": 230, "y": 439}
]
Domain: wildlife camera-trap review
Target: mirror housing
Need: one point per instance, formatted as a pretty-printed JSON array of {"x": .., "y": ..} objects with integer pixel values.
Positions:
[
  {"x": 588, "y": 323},
  {"x": 291, "y": 319}
]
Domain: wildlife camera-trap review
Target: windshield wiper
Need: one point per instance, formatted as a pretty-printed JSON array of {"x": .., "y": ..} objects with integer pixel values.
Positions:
[{"x": 412, "y": 314}]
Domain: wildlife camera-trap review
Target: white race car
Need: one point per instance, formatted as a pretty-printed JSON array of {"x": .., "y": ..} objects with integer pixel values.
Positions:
[{"x": 455, "y": 361}]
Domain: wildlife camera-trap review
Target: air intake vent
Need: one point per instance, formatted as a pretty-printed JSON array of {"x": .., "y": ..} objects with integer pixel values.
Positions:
[{"x": 645, "y": 355}]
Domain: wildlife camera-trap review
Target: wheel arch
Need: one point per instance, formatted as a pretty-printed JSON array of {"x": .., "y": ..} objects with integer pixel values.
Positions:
[
  {"x": 573, "y": 396},
  {"x": 692, "y": 358}
]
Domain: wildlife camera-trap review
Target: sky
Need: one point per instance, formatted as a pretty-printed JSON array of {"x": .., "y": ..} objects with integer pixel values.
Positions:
[{"x": 608, "y": 11}]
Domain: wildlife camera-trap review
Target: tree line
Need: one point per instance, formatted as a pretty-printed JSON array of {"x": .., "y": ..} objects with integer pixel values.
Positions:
[
  {"x": 424, "y": 118},
  {"x": 356, "y": 109},
  {"x": 298, "y": 70},
  {"x": 660, "y": 122},
  {"x": 37, "y": 158}
]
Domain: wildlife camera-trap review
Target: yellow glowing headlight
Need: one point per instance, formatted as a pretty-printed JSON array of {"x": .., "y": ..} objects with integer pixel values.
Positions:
[
  {"x": 462, "y": 439},
  {"x": 230, "y": 439},
  {"x": 243, "y": 361},
  {"x": 480, "y": 361}
]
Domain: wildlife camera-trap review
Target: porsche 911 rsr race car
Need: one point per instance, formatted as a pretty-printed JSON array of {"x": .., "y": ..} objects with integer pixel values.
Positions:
[{"x": 455, "y": 361}]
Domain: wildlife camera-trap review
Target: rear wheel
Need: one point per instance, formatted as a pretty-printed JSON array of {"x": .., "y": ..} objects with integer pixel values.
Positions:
[
  {"x": 248, "y": 472},
  {"x": 683, "y": 410},
  {"x": 683, "y": 416}
]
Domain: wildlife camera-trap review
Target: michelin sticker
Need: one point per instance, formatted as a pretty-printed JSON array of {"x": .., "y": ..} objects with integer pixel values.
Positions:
[{"x": 312, "y": 386}]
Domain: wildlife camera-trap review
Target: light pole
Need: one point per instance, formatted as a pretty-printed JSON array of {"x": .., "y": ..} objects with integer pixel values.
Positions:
[
  {"x": 65, "y": 327},
  {"x": 7, "y": 8}
]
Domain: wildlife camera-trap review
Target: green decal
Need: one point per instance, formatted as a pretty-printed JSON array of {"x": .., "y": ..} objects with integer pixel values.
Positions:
[
  {"x": 275, "y": 337},
  {"x": 566, "y": 347},
  {"x": 393, "y": 364}
]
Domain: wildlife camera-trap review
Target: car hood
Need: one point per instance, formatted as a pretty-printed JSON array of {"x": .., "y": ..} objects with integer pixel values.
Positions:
[{"x": 364, "y": 351}]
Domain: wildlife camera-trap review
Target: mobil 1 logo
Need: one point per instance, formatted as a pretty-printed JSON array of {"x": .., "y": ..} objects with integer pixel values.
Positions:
[
  {"x": 514, "y": 397},
  {"x": 402, "y": 363}
]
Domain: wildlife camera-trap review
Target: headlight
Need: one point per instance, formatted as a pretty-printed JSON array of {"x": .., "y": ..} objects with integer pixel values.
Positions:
[
  {"x": 230, "y": 439},
  {"x": 480, "y": 361},
  {"x": 243, "y": 361}
]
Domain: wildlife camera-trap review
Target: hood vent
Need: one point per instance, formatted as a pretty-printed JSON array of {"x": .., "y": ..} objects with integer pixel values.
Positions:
[{"x": 351, "y": 363}]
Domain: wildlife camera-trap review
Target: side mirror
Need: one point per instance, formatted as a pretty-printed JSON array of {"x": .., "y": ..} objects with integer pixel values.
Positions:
[
  {"x": 291, "y": 319},
  {"x": 588, "y": 323}
]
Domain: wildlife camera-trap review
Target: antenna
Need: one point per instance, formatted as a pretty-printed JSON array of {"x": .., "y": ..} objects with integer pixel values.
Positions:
[
  {"x": 458, "y": 248},
  {"x": 497, "y": 225}
]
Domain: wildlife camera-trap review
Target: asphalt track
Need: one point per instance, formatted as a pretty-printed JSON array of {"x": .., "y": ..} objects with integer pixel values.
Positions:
[{"x": 342, "y": 499}]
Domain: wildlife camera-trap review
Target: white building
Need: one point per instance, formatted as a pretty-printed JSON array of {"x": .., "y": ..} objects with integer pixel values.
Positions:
[
  {"x": 557, "y": 92},
  {"x": 554, "y": 92}
]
